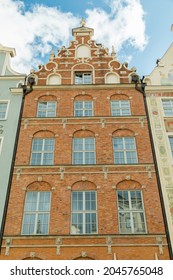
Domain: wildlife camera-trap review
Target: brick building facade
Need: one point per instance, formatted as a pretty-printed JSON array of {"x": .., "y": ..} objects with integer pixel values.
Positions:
[{"x": 84, "y": 183}]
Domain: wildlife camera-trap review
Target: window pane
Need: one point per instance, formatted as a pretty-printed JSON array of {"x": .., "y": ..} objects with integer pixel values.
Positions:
[
  {"x": 37, "y": 144},
  {"x": 136, "y": 200},
  {"x": 119, "y": 158},
  {"x": 44, "y": 202},
  {"x": 77, "y": 223},
  {"x": 90, "y": 223},
  {"x": 138, "y": 222},
  {"x": 118, "y": 143},
  {"x": 125, "y": 222},
  {"x": 36, "y": 159},
  {"x": 31, "y": 201},
  {"x": 42, "y": 224},
  {"x": 78, "y": 158},
  {"x": 28, "y": 224}
]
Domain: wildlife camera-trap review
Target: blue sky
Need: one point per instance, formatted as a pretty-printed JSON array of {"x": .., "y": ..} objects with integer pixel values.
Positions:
[{"x": 139, "y": 30}]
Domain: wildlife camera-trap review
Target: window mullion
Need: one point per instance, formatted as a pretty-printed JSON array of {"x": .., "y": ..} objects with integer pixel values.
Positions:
[
  {"x": 42, "y": 151},
  {"x": 83, "y": 147},
  {"x": 36, "y": 213},
  {"x": 124, "y": 149},
  {"x": 130, "y": 212}
]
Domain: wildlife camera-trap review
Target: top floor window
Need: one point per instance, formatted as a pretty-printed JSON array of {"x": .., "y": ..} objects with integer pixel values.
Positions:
[
  {"x": 83, "y": 78},
  {"x": 168, "y": 107},
  {"x": 46, "y": 109},
  {"x": 120, "y": 108},
  {"x": 3, "y": 110}
]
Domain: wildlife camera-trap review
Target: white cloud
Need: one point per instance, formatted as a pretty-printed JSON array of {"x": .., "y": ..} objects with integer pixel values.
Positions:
[
  {"x": 124, "y": 24},
  {"x": 32, "y": 32}
]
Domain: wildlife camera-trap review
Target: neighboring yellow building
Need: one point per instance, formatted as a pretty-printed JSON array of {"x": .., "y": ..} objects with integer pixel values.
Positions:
[{"x": 159, "y": 100}]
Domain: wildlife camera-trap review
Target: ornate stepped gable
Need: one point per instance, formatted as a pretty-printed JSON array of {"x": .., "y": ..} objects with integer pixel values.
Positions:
[{"x": 83, "y": 55}]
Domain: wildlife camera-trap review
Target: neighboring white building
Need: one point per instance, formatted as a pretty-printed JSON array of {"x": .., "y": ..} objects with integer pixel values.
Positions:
[
  {"x": 159, "y": 98},
  {"x": 10, "y": 104}
]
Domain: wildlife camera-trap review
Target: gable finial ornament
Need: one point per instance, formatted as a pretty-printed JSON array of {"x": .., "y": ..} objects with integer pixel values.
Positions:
[
  {"x": 82, "y": 22},
  {"x": 113, "y": 54},
  {"x": 52, "y": 54}
]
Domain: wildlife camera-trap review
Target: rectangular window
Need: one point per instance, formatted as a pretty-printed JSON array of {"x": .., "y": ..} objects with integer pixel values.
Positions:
[
  {"x": 84, "y": 212},
  {"x": 168, "y": 107},
  {"x": 120, "y": 108},
  {"x": 124, "y": 150},
  {"x": 46, "y": 109},
  {"x": 131, "y": 212},
  {"x": 36, "y": 213},
  {"x": 83, "y": 78},
  {"x": 42, "y": 151},
  {"x": 3, "y": 109},
  {"x": 84, "y": 151},
  {"x": 83, "y": 108},
  {"x": 171, "y": 144}
]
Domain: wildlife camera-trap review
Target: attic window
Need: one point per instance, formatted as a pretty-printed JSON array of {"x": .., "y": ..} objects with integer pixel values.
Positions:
[{"x": 83, "y": 78}]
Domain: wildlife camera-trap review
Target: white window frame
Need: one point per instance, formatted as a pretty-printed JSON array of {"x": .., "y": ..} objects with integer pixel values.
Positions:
[
  {"x": 129, "y": 220},
  {"x": 75, "y": 228},
  {"x": 47, "y": 110},
  {"x": 120, "y": 108},
  {"x": 83, "y": 110},
  {"x": 42, "y": 151},
  {"x": 82, "y": 80},
  {"x": 83, "y": 151},
  {"x": 6, "y": 113},
  {"x": 171, "y": 107},
  {"x": 35, "y": 213},
  {"x": 124, "y": 151}
]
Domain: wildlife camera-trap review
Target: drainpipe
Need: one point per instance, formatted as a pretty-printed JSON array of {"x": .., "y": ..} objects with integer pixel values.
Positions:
[
  {"x": 26, "y": 90},
  {"x": 141, "y": 88}
]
